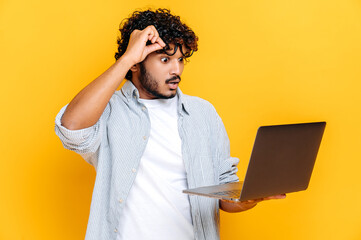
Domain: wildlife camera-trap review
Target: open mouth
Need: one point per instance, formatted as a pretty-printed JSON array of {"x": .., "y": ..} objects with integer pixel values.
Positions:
[{"x": 173, "y": 84}]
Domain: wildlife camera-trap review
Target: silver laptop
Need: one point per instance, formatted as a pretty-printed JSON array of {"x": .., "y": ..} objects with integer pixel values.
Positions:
[{"x": 281, "y": 162}]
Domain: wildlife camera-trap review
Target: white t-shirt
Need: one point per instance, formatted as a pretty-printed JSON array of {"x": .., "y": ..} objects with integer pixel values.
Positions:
[{"x": 156, "y": 208}]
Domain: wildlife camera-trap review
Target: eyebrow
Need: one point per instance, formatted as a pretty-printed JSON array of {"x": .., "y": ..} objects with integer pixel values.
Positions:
[
  {"x": 163, "y": 53},
  {"x": 166, "y": 55}
]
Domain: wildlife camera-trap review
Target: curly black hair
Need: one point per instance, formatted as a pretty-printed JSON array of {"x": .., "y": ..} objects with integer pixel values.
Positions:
[{"x": 169, "y": 27}]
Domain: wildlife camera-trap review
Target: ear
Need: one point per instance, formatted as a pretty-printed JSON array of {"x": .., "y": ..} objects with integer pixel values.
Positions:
[{"x": 134, "y": 68}]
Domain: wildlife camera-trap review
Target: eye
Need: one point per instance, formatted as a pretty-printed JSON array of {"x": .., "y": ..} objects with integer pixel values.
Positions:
[
  {"x": 180, "y": 59},
  {"x": 164, "y": 59}
]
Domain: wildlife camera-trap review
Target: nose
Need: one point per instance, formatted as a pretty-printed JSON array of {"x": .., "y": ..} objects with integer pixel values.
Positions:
[{"x": 176, "y": 68}]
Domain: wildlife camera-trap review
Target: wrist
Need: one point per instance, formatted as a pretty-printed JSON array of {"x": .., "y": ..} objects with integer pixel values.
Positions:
[{"x": 127, "y": 61}]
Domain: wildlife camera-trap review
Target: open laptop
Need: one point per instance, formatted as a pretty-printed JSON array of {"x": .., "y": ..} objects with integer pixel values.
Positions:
[{"x": 281, "y": 162}]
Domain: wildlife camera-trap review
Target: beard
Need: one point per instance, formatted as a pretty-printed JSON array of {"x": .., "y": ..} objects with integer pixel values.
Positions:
[{"x": 150, "y": 84}]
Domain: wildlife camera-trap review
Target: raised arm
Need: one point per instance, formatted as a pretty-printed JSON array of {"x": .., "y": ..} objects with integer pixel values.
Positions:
[{"x": 88, "y": 105}]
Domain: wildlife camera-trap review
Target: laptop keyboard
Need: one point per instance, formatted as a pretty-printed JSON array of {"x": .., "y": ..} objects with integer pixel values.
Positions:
[{"x": 232, "y": 193}]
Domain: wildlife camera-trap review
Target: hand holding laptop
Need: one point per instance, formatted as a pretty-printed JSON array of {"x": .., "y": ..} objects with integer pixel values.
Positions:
[
  {"x": 281, "y": 162},
  {"x": 232, "y": 206}
]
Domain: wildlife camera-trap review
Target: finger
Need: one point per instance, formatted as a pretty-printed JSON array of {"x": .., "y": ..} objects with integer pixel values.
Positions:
[
  {"x": 150, "y": 36},
  {"x": 153, "y": 47},
  {"x": 156, "y": 34},
  {"x": 279, "y": 196},
  {"x": 147, "y": 33},
  {"x": 160, "y": 41},
  {"x": 154, "y": 30},
  {"x": 150, "y": 30},
  {"x": 253, "y": 200},
  {"x": 154, "y": 39}
]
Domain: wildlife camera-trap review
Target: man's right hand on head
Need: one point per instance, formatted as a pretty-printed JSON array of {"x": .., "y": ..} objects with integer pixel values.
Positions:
[
  {"x": 137, "y": 49},
  {"x": 88, "y": 105}
]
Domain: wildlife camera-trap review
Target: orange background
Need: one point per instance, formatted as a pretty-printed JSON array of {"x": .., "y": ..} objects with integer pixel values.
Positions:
[{"x": 259, "y": 62}]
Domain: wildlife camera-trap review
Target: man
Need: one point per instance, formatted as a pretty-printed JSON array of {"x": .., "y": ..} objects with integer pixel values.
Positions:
[{"x": 149, "y": 141}]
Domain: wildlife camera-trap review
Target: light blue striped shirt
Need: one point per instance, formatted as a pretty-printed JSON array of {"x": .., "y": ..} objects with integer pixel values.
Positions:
[{"x": 115, "y": 145}]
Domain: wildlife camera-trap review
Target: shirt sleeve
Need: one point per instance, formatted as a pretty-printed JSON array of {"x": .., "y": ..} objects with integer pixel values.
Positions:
[
  {"x": 83, "y": 141},
  {"x": 227, "y": 164}
]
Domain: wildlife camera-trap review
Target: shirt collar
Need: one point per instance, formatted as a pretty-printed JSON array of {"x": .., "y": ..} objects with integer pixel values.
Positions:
[{"x": 131, "y": 92}]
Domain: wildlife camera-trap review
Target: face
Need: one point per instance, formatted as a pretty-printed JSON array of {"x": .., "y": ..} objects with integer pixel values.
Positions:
[{"x": 159, "y": 75}]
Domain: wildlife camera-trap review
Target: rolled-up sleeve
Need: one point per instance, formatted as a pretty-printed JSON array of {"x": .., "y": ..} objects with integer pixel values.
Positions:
[
  {"x": 83, "y": 141},
  {"x": 227, "y": 164},
  {"x": 228, "y": 170}
]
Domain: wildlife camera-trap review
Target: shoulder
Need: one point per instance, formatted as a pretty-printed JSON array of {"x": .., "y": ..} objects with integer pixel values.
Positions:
[
  {"x": 116, "y": 104},
  {"x": 119, "y": 100},
  {"x": 197, "y": 103},
  {"x": 200, "y": 107},
  {"x": 118, "y": 96}
]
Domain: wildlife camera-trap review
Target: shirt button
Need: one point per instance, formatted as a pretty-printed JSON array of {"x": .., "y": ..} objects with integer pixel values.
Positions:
[
  {"x": 134, "y": 170},
  {"x": 144, "y": 137},
  {"x": 143, "y": 108},
  {"x": 121, "y": 200},
  {"x": 115, "y": 230},
  {"x": 135, "y": 96}
]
